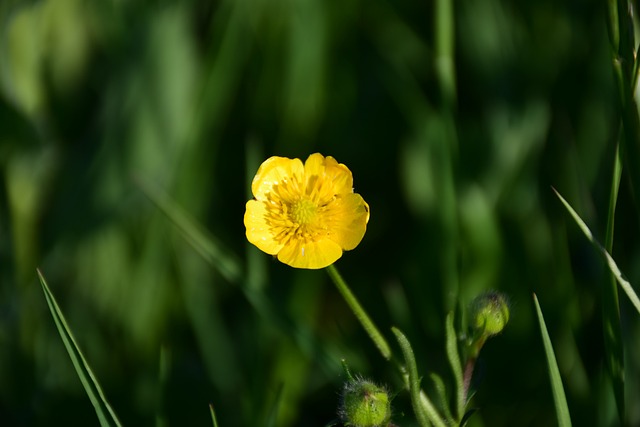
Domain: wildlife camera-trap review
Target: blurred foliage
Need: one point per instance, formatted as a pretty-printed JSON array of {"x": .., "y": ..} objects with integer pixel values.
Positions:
[{"x": 191, "y": 96}]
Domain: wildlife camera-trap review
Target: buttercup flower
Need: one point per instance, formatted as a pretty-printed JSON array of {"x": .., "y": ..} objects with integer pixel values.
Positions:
[{"x": 305, "y": 214}]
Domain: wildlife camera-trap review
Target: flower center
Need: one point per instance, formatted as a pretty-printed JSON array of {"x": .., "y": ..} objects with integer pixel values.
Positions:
[{"x": 303, "y": 211}]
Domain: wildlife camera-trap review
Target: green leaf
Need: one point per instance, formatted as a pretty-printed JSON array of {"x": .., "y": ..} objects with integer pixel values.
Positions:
[
  {"x": 106, "y": 415},
  {"x": 441, "y": 390},
  {"x": 559, "y": 398},
  {"x": 613, "y": 343},
  {"x": 347, "y": 371},
  {"x": 467, "y": 415},
  {"x": 624, "y": 283},
  {"x": 425, "y": 412},
  {"x": 456, "y": 365}
]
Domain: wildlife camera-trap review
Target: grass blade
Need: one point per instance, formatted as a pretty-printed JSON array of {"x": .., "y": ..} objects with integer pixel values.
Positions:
[
  {"x": 272, "y": 418},
  {"x": 613, "y": 343},
  {"x": 213, "y": 416},
  {"x": 213, "y": 251},
  {"x": 105, "y": 413},
  {"x": 562, "y": 410},
  {"x": 624, "y": 283},
  {"x": 456, "y": 365}
]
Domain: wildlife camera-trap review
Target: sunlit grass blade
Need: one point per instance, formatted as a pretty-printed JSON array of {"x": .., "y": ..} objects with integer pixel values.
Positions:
[
  {"x": 272, "y": 418},
  {"x": 425, "y": 411},
  {"x": 624, "y": 283},
  {"x": 613, "y": 343},
  {"x": 213, "y": 251},
  {"x": 559, "y": 398},
  {"x": 213, "y": 416},
  {"x": 105, "y": 413}
]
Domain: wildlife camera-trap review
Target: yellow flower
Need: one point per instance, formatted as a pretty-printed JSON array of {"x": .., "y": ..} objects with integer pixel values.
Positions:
[{"x": 305, "y": 214}]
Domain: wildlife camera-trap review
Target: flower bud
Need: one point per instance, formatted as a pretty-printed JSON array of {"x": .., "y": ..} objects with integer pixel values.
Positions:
[
  {"x": 490, "y": 313},
  {"x": 365, "y": 404}
]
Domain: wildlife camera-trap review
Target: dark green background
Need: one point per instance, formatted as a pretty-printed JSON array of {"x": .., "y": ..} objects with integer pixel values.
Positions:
[{"x": 191, "y": 96}]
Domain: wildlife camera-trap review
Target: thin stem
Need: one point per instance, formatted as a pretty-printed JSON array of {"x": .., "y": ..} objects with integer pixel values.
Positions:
[
  {"x": 468, "y": 375},
  {"x": 470, "y": 365},
  {"x": 362, "y": 315}
]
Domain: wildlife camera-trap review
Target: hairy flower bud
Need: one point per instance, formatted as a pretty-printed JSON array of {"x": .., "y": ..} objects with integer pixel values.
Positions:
[
  {"x": 490, "y": 313},
  {"x": 365, "y": 404}
]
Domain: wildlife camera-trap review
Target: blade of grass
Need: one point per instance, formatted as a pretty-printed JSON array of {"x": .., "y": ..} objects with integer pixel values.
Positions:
[
  {"x": 213, "y": 251},
  {"x": 456, "y": 366},
  {"x": 613, "y": 343},
  {"x": 559, "y": 398},
  {"x": 620, "y": 25},
  {"x": 213, "y": 416},
  {"x": 273, "y": 413},
  {"x": 624, "y": 283},
  {"x": 105, "y": 413}
]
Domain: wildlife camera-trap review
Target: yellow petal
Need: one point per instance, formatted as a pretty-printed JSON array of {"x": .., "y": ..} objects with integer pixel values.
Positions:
[
  {"x": 273, "y": 171},
  {"x": 328, "y": 169},
  {"x": 314, "y": 165},
  {"x": 340, "y": 175},
  {"x": 259, "y": 232},
  {"x": 311, "y": 255},
  {"x": 346, "y": 219}
]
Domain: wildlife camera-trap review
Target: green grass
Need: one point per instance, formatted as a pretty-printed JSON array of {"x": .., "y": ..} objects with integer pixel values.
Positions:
[
  {"x": 559, "y": 398},
  {"x": 104, "y": 411},
  {"x": 129, "y": 135}
]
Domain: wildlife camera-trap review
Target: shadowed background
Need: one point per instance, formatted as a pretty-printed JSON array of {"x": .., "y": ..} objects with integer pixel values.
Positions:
[{"x": 101, "y": 98}]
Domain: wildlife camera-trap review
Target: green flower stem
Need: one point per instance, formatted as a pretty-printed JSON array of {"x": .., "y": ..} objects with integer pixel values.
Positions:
[{"x": 362, "y": 315}]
